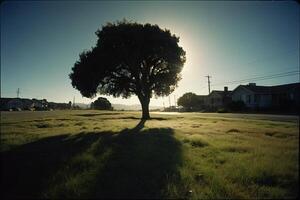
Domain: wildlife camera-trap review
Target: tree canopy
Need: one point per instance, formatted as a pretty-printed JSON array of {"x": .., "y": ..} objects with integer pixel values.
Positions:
[
  {"x": 130, "y": 59},
  {"x": 101, "y": 104},
  {"x": 188, "y": 100}
]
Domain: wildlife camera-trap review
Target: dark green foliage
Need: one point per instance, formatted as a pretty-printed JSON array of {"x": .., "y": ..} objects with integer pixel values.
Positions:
[
  {"x": 237, "y": 106},
  {"x": 222, "y": 110},
  {"x": 130, "y": 59},
  {"x": 101, "y": 104}
]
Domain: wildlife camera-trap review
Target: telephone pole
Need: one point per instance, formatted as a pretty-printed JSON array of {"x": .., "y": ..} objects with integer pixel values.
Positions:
[
  {"x": 73, "y": 101},
  {"x": 169, "y": 101},
  {"x": 174, "y": 100},
  {"x": 18, "y": 92},
  {"x": 208, "y": 81}
]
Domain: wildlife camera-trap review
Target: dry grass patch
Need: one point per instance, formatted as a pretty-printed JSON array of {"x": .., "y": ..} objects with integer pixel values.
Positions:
[
  {"x": 237, "y": 149},
  {"x": 234, "y": 130},
  {"x": 195, "y": 141},
  {"x": 187, "y": 156}
]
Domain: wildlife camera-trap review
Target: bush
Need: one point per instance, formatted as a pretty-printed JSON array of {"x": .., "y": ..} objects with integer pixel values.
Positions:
[
  {"x": 101, "y": 104},
  {"x": 222, "y": 110},
  {"x": 237, "y": 106}
]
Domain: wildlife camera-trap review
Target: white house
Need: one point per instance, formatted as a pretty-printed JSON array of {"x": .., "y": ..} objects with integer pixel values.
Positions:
[{"x": 267, "y": 96}]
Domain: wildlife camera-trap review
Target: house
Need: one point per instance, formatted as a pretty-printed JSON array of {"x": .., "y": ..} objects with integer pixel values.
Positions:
[
  {"x": 3, "y": 103},
  {"x": 218, "y": 99},
  {"x": 23, "y": 104},
  {"x": 40, "y": 104},
  {"x": 27, "y": 104},
  {"x": 280, "y": 97},
  {"x": 58, "y": 106},
  {"x": 11, "y": 104}
]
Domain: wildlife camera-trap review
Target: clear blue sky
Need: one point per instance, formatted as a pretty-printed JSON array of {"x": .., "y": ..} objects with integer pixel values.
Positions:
[{"x": 41, "y": 41}]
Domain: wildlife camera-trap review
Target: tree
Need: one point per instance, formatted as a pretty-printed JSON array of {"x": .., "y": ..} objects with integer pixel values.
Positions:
[
  {"x": 130, "y": 59},
  {"x": 188, "y": 100},
  {"x": 70, "y": 105},
  {"x": 101, "y": 104}
]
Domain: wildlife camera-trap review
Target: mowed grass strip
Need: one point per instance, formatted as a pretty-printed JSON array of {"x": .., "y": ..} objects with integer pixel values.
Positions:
[{"x": 94, "y": 154}]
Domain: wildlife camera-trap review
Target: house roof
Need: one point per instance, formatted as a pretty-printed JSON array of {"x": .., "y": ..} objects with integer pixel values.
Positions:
[
  {"x": 272, "y": 89},
  {"x": 5, "y": 100},
  {"x": 221, "y": 92}
]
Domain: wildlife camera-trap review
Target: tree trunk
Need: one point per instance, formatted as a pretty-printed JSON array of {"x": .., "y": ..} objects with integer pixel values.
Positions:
[{"x": 145, "y": 107}]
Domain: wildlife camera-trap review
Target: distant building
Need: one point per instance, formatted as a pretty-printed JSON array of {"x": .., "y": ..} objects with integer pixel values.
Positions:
[
  {"x": 15, "y": 104},
  {"x": 10, "y": 104},
  {"x": 58, "y": 106},
  {"x": 280, "y": 97},
  {"x": 218, "y": 99},
  {"x": 172, "y": 109}
]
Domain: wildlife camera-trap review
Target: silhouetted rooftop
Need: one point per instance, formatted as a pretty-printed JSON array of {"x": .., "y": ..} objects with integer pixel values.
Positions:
[{"x": 272, "y": 89}]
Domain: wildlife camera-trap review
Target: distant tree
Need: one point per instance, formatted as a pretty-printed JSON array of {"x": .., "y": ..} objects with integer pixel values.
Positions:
[
  {"x": 70, "y": 105},
  {"x": 101, "y": 104},
  {"x": 130, "y": 59},
  {"x": 188, "y": 100}
]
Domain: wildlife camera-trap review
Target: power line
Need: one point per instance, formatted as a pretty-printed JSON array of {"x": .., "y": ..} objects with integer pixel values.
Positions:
[
  {"x": 257, "y": 79},
  {"x": 278, "y": 75},
  {"x": 208, "y": 81},
  {"x": 260, "y": 60},
  {"x": 269, "y": 57}
]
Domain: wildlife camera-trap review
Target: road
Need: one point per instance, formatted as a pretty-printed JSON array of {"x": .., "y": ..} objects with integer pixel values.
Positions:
[{"x": 283, "y": 118}]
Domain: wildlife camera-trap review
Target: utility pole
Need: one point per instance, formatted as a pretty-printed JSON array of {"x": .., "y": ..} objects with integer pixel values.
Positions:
[
  {"x": 18, "y": 92},
  {"x": 174, "y": 100},
  {"x": 73, "y": 101},
  {"x": 208, "y": 81},
  {"x": 169, "y": 101}
]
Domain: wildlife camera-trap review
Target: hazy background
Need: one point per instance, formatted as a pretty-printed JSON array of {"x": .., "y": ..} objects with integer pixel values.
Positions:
[{"x": 41, "y": 41}]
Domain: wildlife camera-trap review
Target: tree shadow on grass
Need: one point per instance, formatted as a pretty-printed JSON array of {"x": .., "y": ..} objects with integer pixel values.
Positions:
[
  {"x": 141, "y": 166},
  {"x": 118, "y": 117},
  {"x": 142, "y": 163},
  {"x": 97, "y": 114},
  {"x": 25, "y": 169}
]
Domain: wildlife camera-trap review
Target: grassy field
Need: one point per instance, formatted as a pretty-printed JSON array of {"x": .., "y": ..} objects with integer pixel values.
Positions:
[{"x": 93, "y": 154}]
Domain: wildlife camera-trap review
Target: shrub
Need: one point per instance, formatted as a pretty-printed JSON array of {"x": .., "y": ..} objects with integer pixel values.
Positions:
[{"x": 237, "y": 106}]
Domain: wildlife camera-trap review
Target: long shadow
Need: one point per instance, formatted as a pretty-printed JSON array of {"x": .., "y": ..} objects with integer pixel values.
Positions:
[
  {"x": 96, "y": 114},
  {"x": 116, "y": 118},
  {"x": 141, "y": 165},
  {"x": 25, "y": 170}
]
